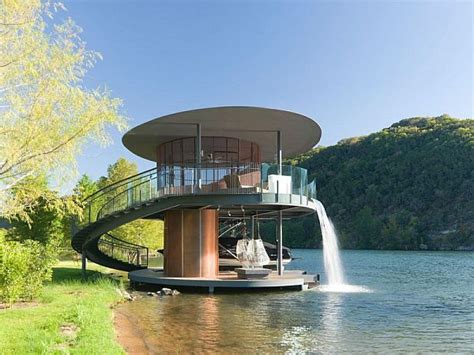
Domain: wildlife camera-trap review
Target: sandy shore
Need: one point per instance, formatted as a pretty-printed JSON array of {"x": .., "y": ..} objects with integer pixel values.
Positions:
[{"x": 128, "y": 335}]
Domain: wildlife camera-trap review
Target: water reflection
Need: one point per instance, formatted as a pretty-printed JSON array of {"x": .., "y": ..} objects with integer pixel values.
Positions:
[
  {"x": 330, "y": 321},
  {"x": 237, "y": 323},
  {"x": 208, "y": 332},
  {"x": 201, "y": 323},
  {"x": 408, "y": 315}
]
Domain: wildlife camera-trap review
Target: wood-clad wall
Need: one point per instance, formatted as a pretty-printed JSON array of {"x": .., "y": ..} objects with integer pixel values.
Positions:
[{"x": 191, "y": 244}]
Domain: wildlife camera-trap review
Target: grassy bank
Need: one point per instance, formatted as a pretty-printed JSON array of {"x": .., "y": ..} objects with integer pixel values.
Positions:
[{"x": 71, "y": 316}]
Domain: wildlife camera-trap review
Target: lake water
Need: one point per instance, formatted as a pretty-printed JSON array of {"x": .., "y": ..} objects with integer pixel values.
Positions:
[{"x": 411, "y": 301}]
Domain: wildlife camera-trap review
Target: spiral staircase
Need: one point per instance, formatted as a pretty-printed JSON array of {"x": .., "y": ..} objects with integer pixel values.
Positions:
[{"x": 150, "y": 193}]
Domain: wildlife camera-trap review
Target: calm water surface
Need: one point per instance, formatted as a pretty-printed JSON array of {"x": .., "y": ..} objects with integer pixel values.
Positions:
[{"x": 417, "y": 302}]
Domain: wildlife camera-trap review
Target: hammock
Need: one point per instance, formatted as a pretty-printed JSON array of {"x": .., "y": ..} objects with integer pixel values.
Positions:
[{"x": 251, "y": 253}]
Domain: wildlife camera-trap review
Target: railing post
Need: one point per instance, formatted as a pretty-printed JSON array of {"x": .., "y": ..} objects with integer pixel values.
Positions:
[
  {"x": 149, "y": 185},
  {"x": 279, "y": 162},
  {"x": 277, "y": 199},
  {"x": 280, "y": 243},
  {"x": 198, "y": 155},
  {"x": 291, "y": 184},
  {"x": 279, "y": 153}
]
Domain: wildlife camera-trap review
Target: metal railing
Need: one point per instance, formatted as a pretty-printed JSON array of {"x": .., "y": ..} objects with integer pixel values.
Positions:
[
  {"x": 122, "y": 250},
  {"x": 208, "y": 178}
]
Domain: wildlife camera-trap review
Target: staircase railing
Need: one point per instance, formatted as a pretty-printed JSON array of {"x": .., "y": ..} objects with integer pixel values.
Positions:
[{"x": 123, "y": 251}]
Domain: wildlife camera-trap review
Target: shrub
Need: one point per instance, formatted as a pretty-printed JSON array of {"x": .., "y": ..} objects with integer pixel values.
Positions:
[{"x": 23, "y": 268}]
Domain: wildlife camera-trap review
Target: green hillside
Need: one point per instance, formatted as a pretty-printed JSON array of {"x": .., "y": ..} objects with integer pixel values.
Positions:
[{"x": 409, "y": 186}]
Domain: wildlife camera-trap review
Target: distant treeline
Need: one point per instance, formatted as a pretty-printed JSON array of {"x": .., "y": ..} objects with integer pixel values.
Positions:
[{"x": 408, "y": 187}]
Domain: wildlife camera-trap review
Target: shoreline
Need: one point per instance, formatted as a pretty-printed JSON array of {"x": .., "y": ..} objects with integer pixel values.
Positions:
[
  {"x": 70, "y": 315},
  {"x": 127, "y": 334}
]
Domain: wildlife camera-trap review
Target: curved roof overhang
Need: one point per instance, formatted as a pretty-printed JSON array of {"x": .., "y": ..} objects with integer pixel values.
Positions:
[{"x": 298, "y": 132}]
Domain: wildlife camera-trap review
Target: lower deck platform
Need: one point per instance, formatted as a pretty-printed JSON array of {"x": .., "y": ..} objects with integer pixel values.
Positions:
[{"x": 291, "y": 279}]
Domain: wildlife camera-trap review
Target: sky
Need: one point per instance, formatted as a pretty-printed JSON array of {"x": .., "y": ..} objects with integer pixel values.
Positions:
[{"x": 353, "y": 66}]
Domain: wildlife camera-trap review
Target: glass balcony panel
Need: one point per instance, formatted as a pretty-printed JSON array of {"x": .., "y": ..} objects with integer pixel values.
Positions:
[{"x": 242, "y": 178}]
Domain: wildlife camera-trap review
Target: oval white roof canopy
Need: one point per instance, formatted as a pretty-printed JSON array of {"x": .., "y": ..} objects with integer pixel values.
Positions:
[{"x": 298, "y": 133}]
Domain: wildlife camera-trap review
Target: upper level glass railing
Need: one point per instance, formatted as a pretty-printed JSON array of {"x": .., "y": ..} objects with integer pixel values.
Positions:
[{"x": 289, "y": 186}]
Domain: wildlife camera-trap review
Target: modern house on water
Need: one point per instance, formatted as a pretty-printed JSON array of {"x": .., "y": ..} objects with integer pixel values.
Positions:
[{"x": 218, "y": 173}]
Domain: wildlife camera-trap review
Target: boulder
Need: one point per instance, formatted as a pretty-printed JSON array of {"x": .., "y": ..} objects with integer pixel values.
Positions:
[
  {"x": 166, "y": 291},
  {"x": 127, "y": 296}
]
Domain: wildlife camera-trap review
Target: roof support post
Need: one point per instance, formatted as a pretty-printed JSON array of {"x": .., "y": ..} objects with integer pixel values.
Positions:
[
  {"x": 198, "y": 155},
  {"x": 279, "y": 153},
  {"x": 280, "y": 242},
  {"x": 252, "y": 235}
]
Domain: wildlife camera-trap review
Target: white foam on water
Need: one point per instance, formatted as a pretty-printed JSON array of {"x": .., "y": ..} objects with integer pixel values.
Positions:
[
  {"x": 332, "y": 258},
  {"x": 343, "y": 289}
]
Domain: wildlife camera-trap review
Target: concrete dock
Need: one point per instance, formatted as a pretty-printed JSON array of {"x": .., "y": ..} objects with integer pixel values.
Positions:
[{"x": 291, "y": 279}]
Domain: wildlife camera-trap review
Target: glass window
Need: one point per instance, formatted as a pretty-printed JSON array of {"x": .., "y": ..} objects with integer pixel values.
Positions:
[
  {"x": 168, "y": 153},
  {"x": 177, "y": 151},
  {"x": 207, "y": 144},
  {"x": 161, "y": 154},
  {"x": 188, "y": 150},
  {"x": 220, "y": 144},
  {"x": 214, "y": 150},
  {"x": 232, "y": 145},
  {"x": 245, "y": 151},
  {"x": 233, "y": 157},
  {"x": 255, "y": 153}
]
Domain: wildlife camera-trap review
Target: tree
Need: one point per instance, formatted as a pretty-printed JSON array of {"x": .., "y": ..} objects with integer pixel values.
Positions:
[
  {"x": 46, "y": 113},
  {"x": 48, "y": 217},
  {"x": 144, "y": 232},
  {"x": 366, "y": 229},
  {"x": 409, "y": 184},
  {"x": 85, "y": 187},
  {"x": 120, "y": 170},
  {"x": 30, "y": 246}
]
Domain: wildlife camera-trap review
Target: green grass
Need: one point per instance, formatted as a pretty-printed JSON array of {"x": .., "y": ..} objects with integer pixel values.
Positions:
[{"x": 66, "y": 301}]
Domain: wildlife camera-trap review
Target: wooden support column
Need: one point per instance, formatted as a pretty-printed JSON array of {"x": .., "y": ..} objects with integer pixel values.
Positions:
[{"x": 191, "y": 243}]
